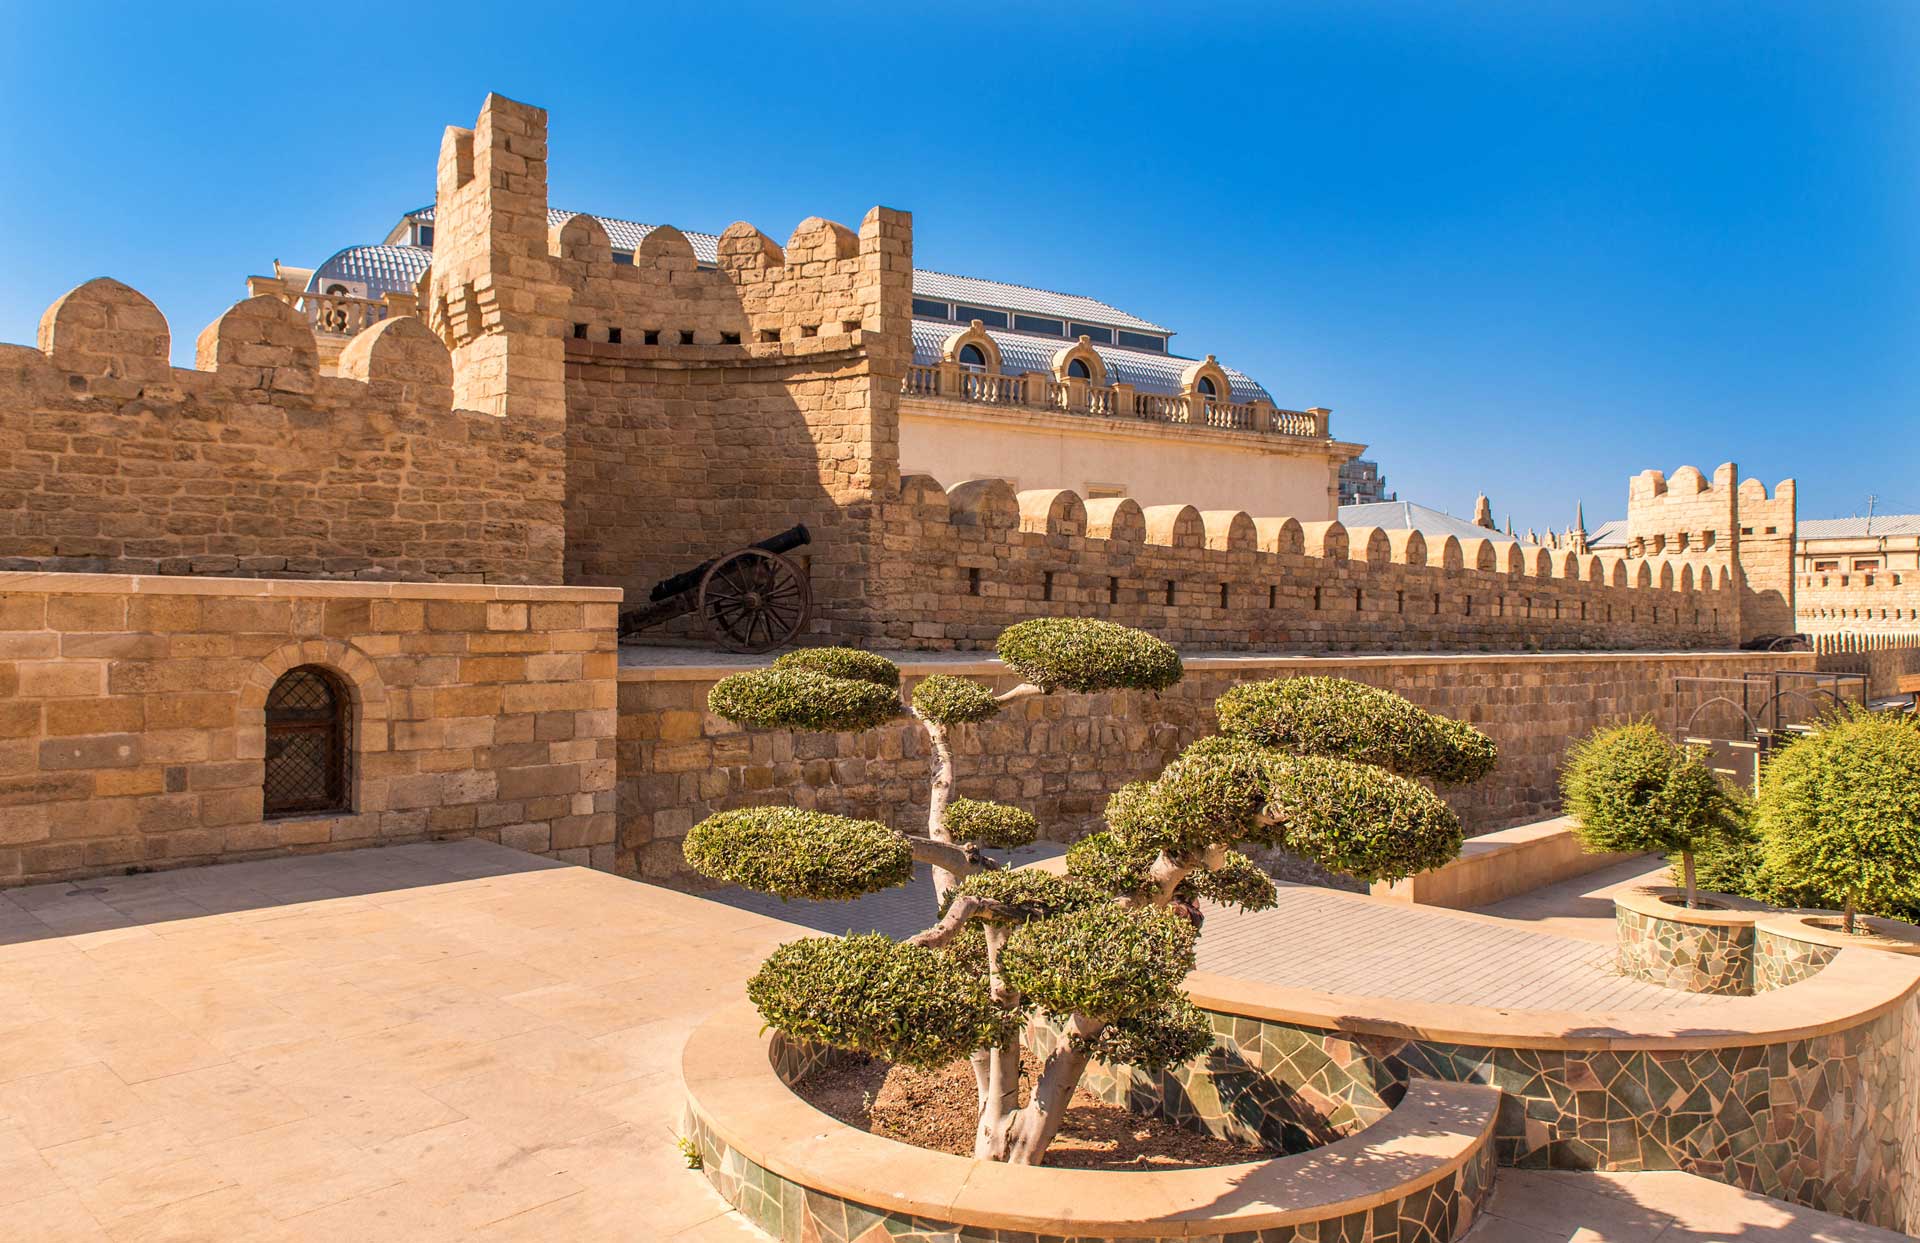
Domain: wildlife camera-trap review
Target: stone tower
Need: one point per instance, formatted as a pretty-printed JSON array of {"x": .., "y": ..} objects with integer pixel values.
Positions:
[{"x": 1728, "y": 525}]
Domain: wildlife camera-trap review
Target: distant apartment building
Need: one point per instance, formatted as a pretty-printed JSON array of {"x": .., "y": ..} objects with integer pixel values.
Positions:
[{"x": 1361, "y": 483}]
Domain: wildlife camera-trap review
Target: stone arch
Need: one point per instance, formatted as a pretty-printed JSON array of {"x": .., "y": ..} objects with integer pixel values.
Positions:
[
  {"x": 1593, "y": 570},
  {"x": 665, "y": 248},
  {"x": 1406, "y": 546},
  {"x": 1568, "y": 565},
  {"x": 743, "y": 246},
  {"x": 1538, "y": 561},
  {"x": 1643, "y": 576},
  {"x": 1325, "y": 539},
  {"x": 1229, "y": 530},
  {"x": 1117, "y": 518},
  {"x": 1049, "y": 511},
  {"x": 581, "y": 239},
  {"x": 974, "y": 334},
  {"x": 108, "y": 330},
  {"x": 1081, "y": 351},
  {"x": 1175, "y": 526},
  {"x": 1480, "y": 554},
  {"x": 817, "y": 239},
  {"x": 1666, "y": 576},
  {"x": 1685, "y": 581},
  {"x": 985, "y": 503},
  {"x": 923, "y": 493},
  {"x": 1452, "y": 555},
  {"x": 261, "y": 342},
  {"x": 367, "y": 733},
  {"x": 401, "y": 349},
  {"x": 1513, "y": 561},
  {"x": 1281, "y": 535}
]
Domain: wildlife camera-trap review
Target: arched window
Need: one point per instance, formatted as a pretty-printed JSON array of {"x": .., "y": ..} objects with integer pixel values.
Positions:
[
  {"x": 306, "y": 766},
  {"x": 1077, "y": 370},
  {"x": 1205, "y": 387},
  {"x": 971, "y": 356}
]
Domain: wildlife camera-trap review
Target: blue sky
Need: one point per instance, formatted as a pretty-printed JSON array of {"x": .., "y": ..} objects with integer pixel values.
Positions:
[{"x": 1525, "y": 248}]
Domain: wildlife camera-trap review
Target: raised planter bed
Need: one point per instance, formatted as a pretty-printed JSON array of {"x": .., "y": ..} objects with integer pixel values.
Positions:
[
  {"x": 1417, "y": 1175},
  {"x": 1708, "y": 948},
  {"x": 1790, "y": 946}
]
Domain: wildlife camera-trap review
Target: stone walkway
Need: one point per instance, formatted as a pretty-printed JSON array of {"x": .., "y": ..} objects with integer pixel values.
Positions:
[{"x": 454, "y": 1041}]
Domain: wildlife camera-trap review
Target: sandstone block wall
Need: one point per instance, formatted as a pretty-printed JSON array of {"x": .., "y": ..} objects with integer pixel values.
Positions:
[
  {"x": 132, "y": 725},
  {"x": 1730, "y": 521},
  {"x": 1061, "y": 756},
  {"x": 1859, "y": 602},
  {"x": 960, "y": 566},
  {"x": 254, "y": 463}
]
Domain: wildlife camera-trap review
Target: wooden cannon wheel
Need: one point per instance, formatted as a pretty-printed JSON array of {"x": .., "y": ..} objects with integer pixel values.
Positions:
[{"x": 754, "y": 600}]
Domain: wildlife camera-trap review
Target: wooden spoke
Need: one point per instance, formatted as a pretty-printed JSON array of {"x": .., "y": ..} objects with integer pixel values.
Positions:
[{"x": 754, "y": 600}]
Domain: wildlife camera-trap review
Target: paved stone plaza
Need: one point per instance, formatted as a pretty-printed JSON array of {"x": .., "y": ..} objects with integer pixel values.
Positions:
[{"x": 457, "y": 1040}]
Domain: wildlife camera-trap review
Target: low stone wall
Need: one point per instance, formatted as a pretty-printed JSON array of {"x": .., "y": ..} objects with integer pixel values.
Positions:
[
  {"x": 1791, "y": 946},
  {"x": 1884, "y": 658},
  {"x": 1418, "y": 1175},
  {"x": 1060, "y": 756},
  {"x": 132, "y": 723},
  {"x": 1502, "y": 864},
  {"x": 1810, "y": 1094},
  {"x": 1706, "y": 949}
]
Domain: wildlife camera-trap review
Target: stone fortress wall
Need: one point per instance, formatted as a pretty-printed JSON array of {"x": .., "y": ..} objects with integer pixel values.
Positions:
[{"x": 1731, "y": 523}]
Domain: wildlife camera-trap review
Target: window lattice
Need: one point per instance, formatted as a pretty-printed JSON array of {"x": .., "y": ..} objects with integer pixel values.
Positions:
[{"x": 306, "y": 768}]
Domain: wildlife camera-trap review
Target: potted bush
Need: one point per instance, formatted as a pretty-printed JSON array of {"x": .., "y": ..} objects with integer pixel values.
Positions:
[
  {"x": 1318, "y": 765},
  {"x": 1839, "y": 813},
  {"x": 1629, "y": 788}
]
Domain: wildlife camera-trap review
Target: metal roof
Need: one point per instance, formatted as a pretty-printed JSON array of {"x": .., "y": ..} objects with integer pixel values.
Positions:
[
  {"x": 1406, "y": 515},
  {"x": 974, "y": 291},
  {"x": 1611, "y": 534},
  {"x": 968, "y": 290},
  {"x": 1859, "y": 528},
  {"x": 1147, "y": 371},
  {"x": 382, "y": 269}
]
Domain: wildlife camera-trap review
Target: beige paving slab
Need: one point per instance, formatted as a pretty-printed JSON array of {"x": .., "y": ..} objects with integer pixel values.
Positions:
[{"x": 1534, "y": 1206}]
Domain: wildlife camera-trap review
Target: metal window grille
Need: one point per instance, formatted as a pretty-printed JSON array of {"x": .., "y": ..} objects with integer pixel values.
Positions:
[{"x": 306, "y": 767}]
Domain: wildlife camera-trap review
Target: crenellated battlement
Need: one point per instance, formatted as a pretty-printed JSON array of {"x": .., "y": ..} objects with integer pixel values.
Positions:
[
  {"x": 254, "y": 461},
  {"x": 969, "y": 560}
]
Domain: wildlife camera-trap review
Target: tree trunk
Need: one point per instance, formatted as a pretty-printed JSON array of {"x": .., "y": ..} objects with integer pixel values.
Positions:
[
  {"x": 1846, "y": 917},
  {"x": 1686, "y": 867},
  {"x": 999, "y": 1102},
  {"x": 1035, "y": 1125},
  {"x": 938, "y": 796}
]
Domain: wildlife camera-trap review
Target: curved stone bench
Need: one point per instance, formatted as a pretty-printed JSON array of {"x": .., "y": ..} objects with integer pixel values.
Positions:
[
  {"x": 1790, "y": 946},
  {"x": 1805, "y": 1094},
  {"x": 1703, "y": 949},
  {"x": 798, "y": 1173}
]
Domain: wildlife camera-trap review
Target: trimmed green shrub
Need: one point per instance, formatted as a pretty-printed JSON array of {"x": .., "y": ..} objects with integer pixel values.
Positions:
[
  {"x": 1044, "y": 894},
  {"x": 1108, "y": 961},
  {"x": 1353, "y": 721},
  {"x": 1630, "y": 788},
  {"x": 1238, "y": 881},
  {"x": 1361, "y": 820},
  {"x": 1210, "y": 794},
  {"x": 801, "y": 699},
  {"x": 1839, "y": 813},
  {"x": 843, "y": 662},
  {"x": 1154, "y": 1040},
  {"x": 948, "y": 700},
  {"x": 1100, "y": 860},
  {"x": 1086, "y": 654},
  {"x": 792, "y": 853},
  {"x": 989, "y": 824},
  {"x": 906, "y": 1003}
]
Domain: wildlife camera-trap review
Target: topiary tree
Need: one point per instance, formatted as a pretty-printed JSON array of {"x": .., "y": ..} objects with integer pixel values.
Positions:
[
  {"x": 1321, "y": 766},
  {"x": 1839, "y": 813},
  {"x": 1629, "y": 788}
]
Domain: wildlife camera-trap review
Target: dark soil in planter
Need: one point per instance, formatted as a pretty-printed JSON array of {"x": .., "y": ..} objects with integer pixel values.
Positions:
[
  {"x": 1701, "y": 903},
  {"x": 937, "y": 1110}
]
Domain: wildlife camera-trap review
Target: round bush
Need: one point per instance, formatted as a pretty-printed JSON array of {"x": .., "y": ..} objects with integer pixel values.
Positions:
[
  {"x": 1353, "y": 721},
  {"x": 1209, "y": 794},
  {"x": 1360, "y": 820},
  {"x": 1086, "y": 654},
  {"x": 1101, "y": 861},
  {"x": 1107, "y": 961},
  {"x": 792, "y": 853},
  {"x": 906, "y": 1003},
  {"x": 948, "y": 700},
  {"x": 843, "y": 662},
  {"x": 1238, "y": 881},
  {"x": 1839, "y": 813},
  {"x": 801, "y": 699},
  {"x": 989, "y": 824},
  {"x": 1154, "y": 1040},
  {"x": 1043, "y": 893},
  {"x": 1630, "y": 789}
]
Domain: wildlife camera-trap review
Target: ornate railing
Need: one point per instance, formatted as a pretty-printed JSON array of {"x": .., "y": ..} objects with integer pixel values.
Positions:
[
  {"x": 1040, "y": 391},
  {"x": 334, "y": 315}
]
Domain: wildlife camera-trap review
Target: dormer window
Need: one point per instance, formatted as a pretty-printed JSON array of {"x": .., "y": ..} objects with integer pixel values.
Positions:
[
  {"x": 1204, "y": 386},
  {"x": 1077, "y": 370},
  {"x": 971, "y": 358},
  {"x": 423, "y": 236}
]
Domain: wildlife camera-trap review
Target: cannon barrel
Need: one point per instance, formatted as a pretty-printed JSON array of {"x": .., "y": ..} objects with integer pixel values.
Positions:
[{"x": 793, "y": 537}]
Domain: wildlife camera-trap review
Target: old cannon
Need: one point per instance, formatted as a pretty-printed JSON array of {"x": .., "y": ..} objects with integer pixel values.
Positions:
[{"x": 752, "y": 599}]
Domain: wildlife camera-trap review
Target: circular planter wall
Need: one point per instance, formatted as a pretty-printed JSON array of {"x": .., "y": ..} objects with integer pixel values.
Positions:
[
  {"x": 1703, "y": 949},
  {"x": 1790, "y": 946},
  {"x": 1417, "y": 1175}
]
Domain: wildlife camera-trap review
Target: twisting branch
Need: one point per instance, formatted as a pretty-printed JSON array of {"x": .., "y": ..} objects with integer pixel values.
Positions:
[
  {"x": 938, "y": 796},
  {"x": 1025, "y": 690},
  {"x": 954, "y": 858},
  {"x": 965, "y": 907}
]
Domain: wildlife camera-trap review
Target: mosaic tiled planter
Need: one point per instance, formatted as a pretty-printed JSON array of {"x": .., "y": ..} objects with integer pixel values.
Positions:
[
  {"x": 1790, "y": 946},
  {"x": 1810, "y": 1095},
  {"x": 1705, "y": 949},
  {"x": 1418, "y": 1174}
]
